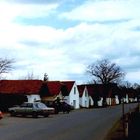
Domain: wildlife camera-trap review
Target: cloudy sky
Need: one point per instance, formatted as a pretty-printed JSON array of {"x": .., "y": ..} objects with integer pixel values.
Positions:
[{"x": 62, "y": 37}]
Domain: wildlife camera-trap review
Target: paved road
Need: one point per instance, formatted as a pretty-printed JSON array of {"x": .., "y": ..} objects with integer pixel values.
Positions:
[{"x": 86, "y": 124}]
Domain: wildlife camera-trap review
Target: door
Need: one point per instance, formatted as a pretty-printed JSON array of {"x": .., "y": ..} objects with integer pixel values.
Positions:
[
  {"x": 86, "y": 104},
  {"x": 74, "y": 103}
]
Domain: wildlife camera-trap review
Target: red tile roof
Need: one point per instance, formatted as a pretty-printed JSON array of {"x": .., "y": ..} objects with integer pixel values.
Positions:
[
  {"x": 27, "y": 87},
  {"x": 54, "y": 87},
  {"x": 20, "y": 86},
  {"x": 94, "y": 89},
  {"x": 69, "y": 85},
  {"x": 90, "y": 89},
  {"x": 81, "y": 89},
  {"x": 100, "y": 89}
]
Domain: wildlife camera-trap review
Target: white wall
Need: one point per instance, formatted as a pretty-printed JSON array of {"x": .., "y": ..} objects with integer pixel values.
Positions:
[
  {"x": 84, "y": 100},
  {"x": 112, "y": 101},
  {"x": 117, "y": 99},
  {"x": 126, "y": 99},
  {"x": 73, "y": 98},
  {"x": 91, "y": 102},
  {"x": 108, "y": 101},
  {"x": 33, "y": 98},
  {"x": 100, "y": 102}
]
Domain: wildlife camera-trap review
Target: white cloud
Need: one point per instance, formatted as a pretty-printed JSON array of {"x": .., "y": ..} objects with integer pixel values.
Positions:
[
  {"x": 12, "y": 11},
  {"x": 34, "y": 11},
  {"x": 105, "y": 10},
  {"x": 61, "y": 53},
  {"x": 133, "y": 77},
  {"x": 65, "y": 53}
]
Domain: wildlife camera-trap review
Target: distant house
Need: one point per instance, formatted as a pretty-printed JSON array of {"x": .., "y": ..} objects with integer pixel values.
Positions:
[
  {"x": 94, "y": 94},
  {"x": 83, "y": 95},
  {"x": 109, "y": 92},
  {"x": 90, "y": 91},
  {"x": 17, "y": 91},
  {"x": 130, "y": 96},
  {"x": 113, "y": 95},
  {"x": 99, "y": 91},
  {"x": 72, "y": 96}
]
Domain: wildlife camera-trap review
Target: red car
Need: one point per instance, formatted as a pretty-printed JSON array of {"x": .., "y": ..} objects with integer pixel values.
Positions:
[{"x": 1, "y": 115}]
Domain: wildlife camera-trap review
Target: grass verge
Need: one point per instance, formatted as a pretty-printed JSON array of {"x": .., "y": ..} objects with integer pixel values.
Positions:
[{"x": 116, "y": 132}]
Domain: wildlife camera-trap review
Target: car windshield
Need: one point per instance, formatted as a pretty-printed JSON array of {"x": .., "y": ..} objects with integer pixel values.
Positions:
[
  {"x": 24, "y": 105},
  {"x": 30, "y": 105},
  {"x": 40, "y": 105}
]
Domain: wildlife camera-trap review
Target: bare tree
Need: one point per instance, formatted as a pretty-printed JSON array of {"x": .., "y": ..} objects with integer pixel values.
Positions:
[
  {"x": 29, "y": 76},
  {"x": 6, "y": 65},
  {"x": 105, "y": 72},
  {"x": 127, "y": 84}
]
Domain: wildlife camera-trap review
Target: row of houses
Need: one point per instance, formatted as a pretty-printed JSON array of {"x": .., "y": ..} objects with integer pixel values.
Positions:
[{"x": 14, "y": 92}]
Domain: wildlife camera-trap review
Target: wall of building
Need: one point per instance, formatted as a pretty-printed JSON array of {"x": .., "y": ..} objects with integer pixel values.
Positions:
[
  {"x": 73, "y": 98},
  {"x": 33, "y": 98},
  {"x": 91, "y": 102},
  {"x": 84, "y": 100},
  {"x": 100, "y": 102}
]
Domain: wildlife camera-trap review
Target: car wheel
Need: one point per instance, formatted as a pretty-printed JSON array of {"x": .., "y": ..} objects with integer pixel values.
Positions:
[
  {"x": 23, "y": 115},
  {"x": 35, "y": 114},
  {"x": 46, "y": 115},
  {"x": 12, "y": 113}
]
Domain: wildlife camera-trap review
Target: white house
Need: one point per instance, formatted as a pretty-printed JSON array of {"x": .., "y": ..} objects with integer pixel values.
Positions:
[
  {"x": 100, "y": 102},
  {"x": 110, "y": 100},
  {"x": 90, "y": 90},
  {"x": 33, "y": 98},
  {"x": 72, "y": 98},
  {"x": 112, "y": 97},
  {"x": 117, "y": 99},
  {"x": 19, "y": 91},
  {"x": 83, "y": 96},
  {"x": 49, "y": 90}
]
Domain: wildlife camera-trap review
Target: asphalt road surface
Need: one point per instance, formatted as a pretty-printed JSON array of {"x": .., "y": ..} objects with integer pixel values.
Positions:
[{"x": 83, "y": 124}]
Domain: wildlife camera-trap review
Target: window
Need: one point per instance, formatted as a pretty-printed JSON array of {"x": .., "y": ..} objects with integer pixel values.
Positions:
[
  {"x": 86, "y": 94},
  {"x": 40, "y": 105},
  {"x": 85, "y": 103},
  {"x": 30, "y": 105},
  {"x": 74, "y": 90},
  {"x": 24, "y": 105}
]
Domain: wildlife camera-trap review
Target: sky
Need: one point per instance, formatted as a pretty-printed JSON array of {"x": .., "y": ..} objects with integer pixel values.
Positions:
[{"x": 62, "y": 37}]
